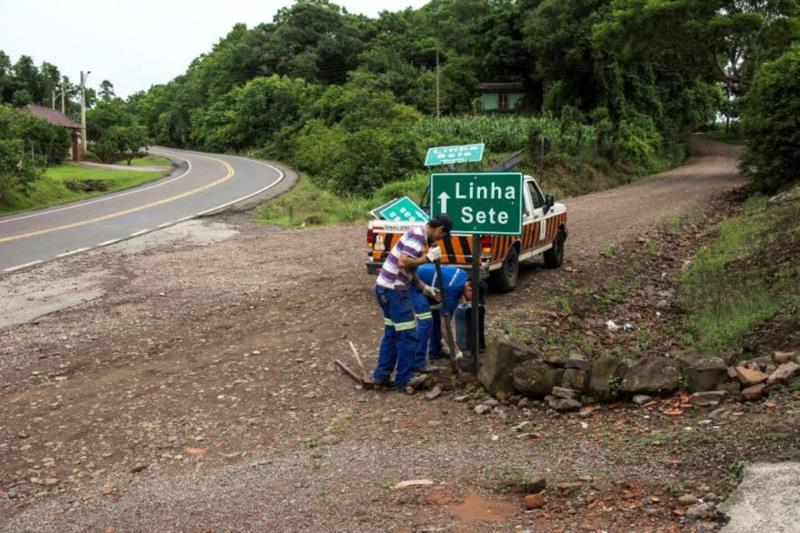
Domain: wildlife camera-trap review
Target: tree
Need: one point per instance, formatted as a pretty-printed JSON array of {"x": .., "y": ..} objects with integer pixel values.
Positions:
[
  {"x": 106, "y": 114},
  {"x": 121, "y": 142},
  {"x": 106, "y": 90},
  {"x": 771, "y": 124}
]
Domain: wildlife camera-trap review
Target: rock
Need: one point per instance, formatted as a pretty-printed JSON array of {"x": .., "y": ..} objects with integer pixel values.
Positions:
[
  {"x": 704, "y": 373},
  {"x": 330, "y": 439},
  {"x": 433, "y": 393},
  {"x": 501, "y": 396},
  {"x": 577, "y": 361},
  {"x": 22, "y": 435},
  {"x": 783, "y": 357},
  {"x": 554, "y": 359},
  {"x": 754, "y": 392},
  {"x": 785, "y": 372},
  {"x": 534, "y": 501},
  {"x": 498, "y": 363},
  {"x": 524, "y": 485},
  {"x": 688, "y": 499},
  {"x": 641, "y": 399},
  {"x": 606, "y": 377},
  {"x": 708, "y": 398},
  {"x": 524, "y": 402},
  {"x": 652, "y": 375},
  {"x": 700, "y": 510},
  {"x": 523, "y": 427},
  {"x": 138, "y": 468},
  {"x": 413, "y": 483},
  {"x": 565, "y": 393},
  {"x": 575, "y": 379},
  {"x": 748, "y": 376},
  {"x": 462, "y": 398},
  {"x": 563, "y": 405},
  {"x": 491, "y": 402},
  {"x": 536, "y": 378},
  {"x": 482, "y": 409},
  {"x": 719, "y": 412}
]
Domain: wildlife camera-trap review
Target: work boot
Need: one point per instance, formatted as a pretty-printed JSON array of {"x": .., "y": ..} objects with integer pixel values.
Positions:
[
  {"x": 441, "y": 355},
  {"x": 385, "y": 382},
  {"x": 426, "y": 369},
  {"x": 417, "y": 382}
]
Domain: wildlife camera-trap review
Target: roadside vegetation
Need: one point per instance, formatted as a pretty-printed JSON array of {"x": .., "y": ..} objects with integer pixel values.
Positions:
[
  {"x": 746, "y": 280},
  {"x": 69, "y": 182}
]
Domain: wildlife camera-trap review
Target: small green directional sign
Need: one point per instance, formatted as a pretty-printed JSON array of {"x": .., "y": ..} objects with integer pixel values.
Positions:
[
  {"x": 450, "y": 155},
  {"x": 487, "y": 203},
  {"x": 404, "y": 210}
]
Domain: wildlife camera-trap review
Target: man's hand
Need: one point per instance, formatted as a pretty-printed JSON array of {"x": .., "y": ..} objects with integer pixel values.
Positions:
[
  {"x": 432, "y": 292},
  {"x": 434, "y": 254}
]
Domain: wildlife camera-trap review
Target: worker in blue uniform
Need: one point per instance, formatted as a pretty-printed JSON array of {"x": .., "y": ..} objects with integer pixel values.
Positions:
[{"x": 427, "y": 310}]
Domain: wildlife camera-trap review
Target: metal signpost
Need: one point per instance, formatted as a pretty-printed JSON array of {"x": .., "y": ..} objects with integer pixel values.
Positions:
[
  {"x": 478, "y": 203},
  {"x": 450, "y": 155}
]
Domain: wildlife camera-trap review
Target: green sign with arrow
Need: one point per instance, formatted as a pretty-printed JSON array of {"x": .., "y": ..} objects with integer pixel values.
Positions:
[{"x": 486, "y": 203}]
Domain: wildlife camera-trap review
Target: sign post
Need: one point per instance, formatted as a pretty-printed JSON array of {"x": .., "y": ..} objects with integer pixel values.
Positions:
[{"x": 478, "y": 203}]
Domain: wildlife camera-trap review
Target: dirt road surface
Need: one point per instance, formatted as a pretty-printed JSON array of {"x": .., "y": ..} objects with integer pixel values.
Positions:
[{"x": 195, "y": 389}]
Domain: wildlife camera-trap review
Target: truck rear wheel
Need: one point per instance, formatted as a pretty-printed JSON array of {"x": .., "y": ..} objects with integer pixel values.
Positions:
[
  {"x": 555, "y": 255},
  {"x": 505, "y": 279}
]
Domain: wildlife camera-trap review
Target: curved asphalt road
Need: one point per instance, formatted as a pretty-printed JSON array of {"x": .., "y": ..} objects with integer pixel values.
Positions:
[{"x": 205, "y": 183}]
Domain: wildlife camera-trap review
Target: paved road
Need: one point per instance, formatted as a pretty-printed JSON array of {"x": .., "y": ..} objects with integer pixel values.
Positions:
[{"x": 204, "y": 183}]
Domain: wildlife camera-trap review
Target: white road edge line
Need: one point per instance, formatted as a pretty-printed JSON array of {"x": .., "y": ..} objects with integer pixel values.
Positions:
[
  {"x": 137, "y": 233},
  {"x": 105, "y": 198},
  {"x": 243, "y": 198},
  {"x": 73, "y": 252},
  {"x": 26, "y": 265},
  {"x": 106, "y": 243},
  {"x": 164, "y": 225}
]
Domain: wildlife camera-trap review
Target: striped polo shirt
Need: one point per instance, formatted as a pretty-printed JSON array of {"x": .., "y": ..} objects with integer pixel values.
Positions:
[{"x": 391, "y": 275}]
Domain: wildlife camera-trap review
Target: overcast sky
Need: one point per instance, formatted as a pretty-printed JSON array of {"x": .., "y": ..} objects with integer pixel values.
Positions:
[{"x": 135, "y": 44}]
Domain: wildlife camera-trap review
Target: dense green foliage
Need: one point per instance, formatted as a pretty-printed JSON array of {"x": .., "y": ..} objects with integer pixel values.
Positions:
[
  {"x": 344, "y": 97},
  {"x": 771, "y": 124},
  {"x": 24, "y": 83},
  {"x": 27, "y": 144}
]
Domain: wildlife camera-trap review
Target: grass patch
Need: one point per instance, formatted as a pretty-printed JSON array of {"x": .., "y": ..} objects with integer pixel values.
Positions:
[
  {"x": 148, "y": 161},
  {"x": 52, "y": 188},
  {"x": 745, "y": 277},
  {"x": 309, "y": 204}
]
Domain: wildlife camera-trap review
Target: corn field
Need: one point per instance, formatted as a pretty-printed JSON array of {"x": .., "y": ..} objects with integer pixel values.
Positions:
[{"x": 501, "y": 133}]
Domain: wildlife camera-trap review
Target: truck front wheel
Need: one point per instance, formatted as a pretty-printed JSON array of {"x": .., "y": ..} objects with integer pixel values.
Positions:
[{"x": 505, "y": 279}]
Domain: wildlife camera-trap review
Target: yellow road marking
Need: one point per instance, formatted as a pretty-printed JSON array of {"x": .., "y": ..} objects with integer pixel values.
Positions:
[{"x": 228, "y": 175}]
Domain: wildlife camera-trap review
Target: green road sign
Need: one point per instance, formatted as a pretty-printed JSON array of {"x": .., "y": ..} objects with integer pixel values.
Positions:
[
  {"x": 403, "y": 210},
  {"x": 489, "y": 203},
  {"x": 450, "y": 155}
]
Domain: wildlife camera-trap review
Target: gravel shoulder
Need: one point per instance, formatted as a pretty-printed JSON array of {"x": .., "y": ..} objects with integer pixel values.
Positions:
[{"x": 196, "y": 391}]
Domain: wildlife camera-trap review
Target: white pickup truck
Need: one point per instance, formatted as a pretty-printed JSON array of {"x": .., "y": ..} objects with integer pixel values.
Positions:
[{"x": 544, "y": 231}]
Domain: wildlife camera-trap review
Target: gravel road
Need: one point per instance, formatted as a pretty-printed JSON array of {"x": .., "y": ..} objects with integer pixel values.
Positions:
[{"x": 195, "y": 390}]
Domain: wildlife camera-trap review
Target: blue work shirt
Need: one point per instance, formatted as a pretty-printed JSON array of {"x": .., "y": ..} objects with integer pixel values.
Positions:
[{"x": 454, "y": 281}]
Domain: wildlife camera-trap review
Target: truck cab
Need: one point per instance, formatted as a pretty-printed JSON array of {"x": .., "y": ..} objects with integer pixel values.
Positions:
[{"x": 544, "y": 231}]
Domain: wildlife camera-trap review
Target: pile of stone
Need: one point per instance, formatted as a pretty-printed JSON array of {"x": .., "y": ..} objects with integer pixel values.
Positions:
[{"x": 565, "y": 383}]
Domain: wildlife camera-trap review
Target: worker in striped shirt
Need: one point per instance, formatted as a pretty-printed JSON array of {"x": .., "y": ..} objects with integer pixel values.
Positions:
[{"x": 398, "y": 272}]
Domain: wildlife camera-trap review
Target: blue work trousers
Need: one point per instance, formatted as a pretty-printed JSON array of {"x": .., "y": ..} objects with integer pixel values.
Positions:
[
  {"x": 399, "y": 343},
  {"x": 422, "y": 312}
]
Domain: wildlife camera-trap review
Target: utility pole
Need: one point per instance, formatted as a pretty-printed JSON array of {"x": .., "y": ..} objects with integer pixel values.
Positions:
[
  {"x": 83, "y": 110},
  {"x": 437, "y": 83},
  {"x": 53, "y": 99},
  {"x": 63, "y": 88}
]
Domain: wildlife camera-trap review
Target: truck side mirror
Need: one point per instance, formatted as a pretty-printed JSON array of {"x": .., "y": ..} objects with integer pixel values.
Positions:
[{"x": 549, "y": 201}]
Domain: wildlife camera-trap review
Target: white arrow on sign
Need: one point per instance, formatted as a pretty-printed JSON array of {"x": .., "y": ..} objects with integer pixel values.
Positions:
[{"x": 443, "y": 199}]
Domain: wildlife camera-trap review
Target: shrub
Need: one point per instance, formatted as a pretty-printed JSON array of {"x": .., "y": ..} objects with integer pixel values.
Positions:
[{"x": 771, "y": 123}]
